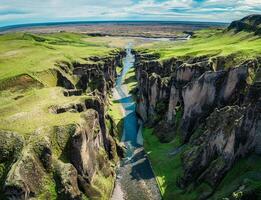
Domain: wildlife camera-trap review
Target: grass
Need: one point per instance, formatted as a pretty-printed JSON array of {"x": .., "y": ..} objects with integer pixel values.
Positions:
[
  {"x": 28, "y": 62},
  {"x": 23, "y": 53},
  {"x": 210, "y": 42},
  {"x": 166, "y": 168},
  {"x": 31, "y": 110},
  {"x": 245, "y": 172},
  {"x": 130, "y": 79},
  {"x": 116, "y": 112},
  {"x": 104, "y": 185}
]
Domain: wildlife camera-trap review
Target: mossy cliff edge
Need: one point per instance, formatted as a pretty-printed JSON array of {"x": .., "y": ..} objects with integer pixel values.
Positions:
[
  {"x": 205, "y": 111},
  {"x": 57, "y": 139}
]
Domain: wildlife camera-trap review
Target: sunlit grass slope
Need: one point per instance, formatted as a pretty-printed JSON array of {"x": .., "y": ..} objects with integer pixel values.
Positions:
[
  {"x": 211, "y": 42},
  {"x": 22, "y": 53},
  {"x": 235, "y": 47},
  {"x": 27, "y": 63}
]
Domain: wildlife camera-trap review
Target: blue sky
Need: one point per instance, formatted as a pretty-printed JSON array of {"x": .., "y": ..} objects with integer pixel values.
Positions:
[{"x": 33, "y": 11}]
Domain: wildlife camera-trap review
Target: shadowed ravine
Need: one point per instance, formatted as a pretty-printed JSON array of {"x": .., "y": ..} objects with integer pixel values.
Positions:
[{"x": 135, "y": 178}]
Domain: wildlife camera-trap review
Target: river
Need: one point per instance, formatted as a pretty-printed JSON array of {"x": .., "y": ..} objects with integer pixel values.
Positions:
[{"x": 135, "y": 178}]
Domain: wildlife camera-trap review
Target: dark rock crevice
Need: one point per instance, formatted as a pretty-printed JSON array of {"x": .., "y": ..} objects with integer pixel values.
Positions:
[
  {"x": 82, "y": 152},
  {"x": 219, "y": 101}
]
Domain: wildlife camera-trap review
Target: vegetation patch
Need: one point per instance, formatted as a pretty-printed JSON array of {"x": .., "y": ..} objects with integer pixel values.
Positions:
[
  {"x": 130, "y": 80},
  {"x": 116, "y": 112},
  {"x": 211, "y": 43}
]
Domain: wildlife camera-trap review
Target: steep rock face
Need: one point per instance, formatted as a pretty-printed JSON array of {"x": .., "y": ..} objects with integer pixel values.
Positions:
[
  {"x": 183, "y": 75},
  {"x": 153, "y": 83},
  {"x": 69, "y": 161},
  {"x": 187, "y": 72},
  {"x": 249, "y": 23},
  {"x": 84, "y": 145},
  {"x": 99, "y": 74},
  {"x": 213, "y": 108},
  {"x": 86, "y": 155},
  {"x": 67, "y": 177},
  {"x": 212, "y": 89},
  {"x": 198, "y": 98},
  {"x": 174, "y": 99},
  {"x": 157, "y": 92},
  {"x": 231, "y": 133},
  {"x": 163, "y": 81}
]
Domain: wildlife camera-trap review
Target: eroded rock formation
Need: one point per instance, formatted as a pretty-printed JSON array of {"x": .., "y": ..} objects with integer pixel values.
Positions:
[
  {"x": 214, "y": 108},
  {"x": 67, "y": 161}
]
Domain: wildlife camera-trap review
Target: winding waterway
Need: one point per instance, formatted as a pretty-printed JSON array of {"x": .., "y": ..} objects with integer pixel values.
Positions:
[{"x": 135, "y": 178}]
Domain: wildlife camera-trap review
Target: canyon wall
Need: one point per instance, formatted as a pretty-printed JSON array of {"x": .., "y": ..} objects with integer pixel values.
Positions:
[
  {"x": 72, "y": 161},
  {"x": 215, "y": 110}
]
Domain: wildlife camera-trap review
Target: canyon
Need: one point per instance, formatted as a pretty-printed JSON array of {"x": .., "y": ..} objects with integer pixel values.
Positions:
[
  {"x": 164, "y": 119},
  {"x": 211, "y": 108}
]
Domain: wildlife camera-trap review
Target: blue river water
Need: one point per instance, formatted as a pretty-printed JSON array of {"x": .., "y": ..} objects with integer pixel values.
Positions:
[
  {"x": 135, "y": 177},
  {"x": 130, "y": 121}
]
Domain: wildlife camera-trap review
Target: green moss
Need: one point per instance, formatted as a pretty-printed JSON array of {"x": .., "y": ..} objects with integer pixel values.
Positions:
[
  {"x": 159, "y": 156},
  {"x": 118, "y": 70},
  {"x": 130, "y": 80},
  {"x": 22, "y": 53},
  {"x": 211, "y": 42},
  {"x": 161, "y": 107},
  {"x": 2, "y": 175},
  {"x": 245, "y": 172},
  {"x": 104, "y": 185},
  {"x": 61, "y": 140},
  {"x": 48, "y": 190},
  {"x": 116, "y": 112}
]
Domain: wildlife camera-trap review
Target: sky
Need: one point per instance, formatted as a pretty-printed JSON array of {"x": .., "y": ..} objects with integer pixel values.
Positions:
[{"x": 37, "y": 11}]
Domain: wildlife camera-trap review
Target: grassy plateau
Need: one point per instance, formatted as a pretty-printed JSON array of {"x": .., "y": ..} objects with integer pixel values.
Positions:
[{"x": 235, "y": 47}]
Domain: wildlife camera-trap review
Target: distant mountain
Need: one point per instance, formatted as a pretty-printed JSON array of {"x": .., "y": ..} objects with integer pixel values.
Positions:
[{"x": 251, "y": 23}]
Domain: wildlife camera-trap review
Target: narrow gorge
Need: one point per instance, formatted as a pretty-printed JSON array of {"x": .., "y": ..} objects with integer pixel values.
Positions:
[
  {"x": 131, "y": 111},
  {"x": 209, "y": 110},
  {"x": 76, "y": 160}
]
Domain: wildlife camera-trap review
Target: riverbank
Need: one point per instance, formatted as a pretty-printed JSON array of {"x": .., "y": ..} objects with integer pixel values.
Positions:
[
  {"x": 187, "y": 93},
  {"x": 135, "y": 179},
  {"x": 55, "y": 135}
]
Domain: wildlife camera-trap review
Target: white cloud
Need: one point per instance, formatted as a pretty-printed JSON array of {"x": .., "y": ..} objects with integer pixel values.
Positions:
[{"x": 25, "y": 11}]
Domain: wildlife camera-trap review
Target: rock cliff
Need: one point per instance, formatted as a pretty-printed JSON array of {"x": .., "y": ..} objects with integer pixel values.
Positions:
[
  {"x": 214, "y": 109},
  {"x": 250, "y": 23},
  {"x": 71, "y": 161}
]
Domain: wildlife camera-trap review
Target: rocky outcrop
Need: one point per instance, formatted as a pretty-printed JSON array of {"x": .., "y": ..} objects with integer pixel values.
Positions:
[
  {"x": 193, "y": 86},
  {"x": 82, "y": 144},
  {"x": 212, "y": 89},
  {"x": 67, "y": 161},
  {"x": 250, "y": 23},
  {"x": 231, "y": 133},
  {"x": 154, "y": 86},
  {"x": 67, "y": 176},
  {"x": 212, "y": 107},
  {"x": 199, "y": 98},
  {"x": 26, "y": 176},
  {"x": 174, "y": 99},
  {"x": 73, "y": 92},
  {"x": 98, "y": 73},
  {"x": 85, "y": 144}
]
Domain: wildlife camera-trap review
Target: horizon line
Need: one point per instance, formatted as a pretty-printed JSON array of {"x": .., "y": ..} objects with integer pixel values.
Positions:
[{"x": 34, "y": 24}]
